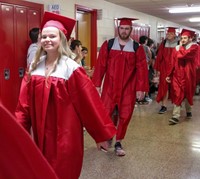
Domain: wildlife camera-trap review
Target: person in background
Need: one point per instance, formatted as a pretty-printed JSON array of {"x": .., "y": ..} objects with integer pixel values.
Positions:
[
  {"x": 87, "y": 68},
  {"x": 84, "y": 52},
  {"x": 152, "y": 83},
  {"x": 143, "y": 40},
  {"x": 34, "y": 36},
  {"x": 58, "y": 99},
  {"x": 182, "y": 75},
  {"x": 123, "y": 75},
  {"x": 163, "y": 64},
  {"x": 76, "y": 47}
]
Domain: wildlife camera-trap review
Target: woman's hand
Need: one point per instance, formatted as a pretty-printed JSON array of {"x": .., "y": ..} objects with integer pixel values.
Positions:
[{"x": 168, "y": 79}]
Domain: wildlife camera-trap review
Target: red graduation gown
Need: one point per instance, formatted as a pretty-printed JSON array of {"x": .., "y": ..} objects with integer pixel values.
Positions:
[
  {"x": 198, "y": 66},
  {"x": 163, "y": 64},
  {"x": 57, "y": 109},
  {"x": 125, "y": 73},
  {"x": 183, "y": 73},
  {"x": 19, "y": 156}
]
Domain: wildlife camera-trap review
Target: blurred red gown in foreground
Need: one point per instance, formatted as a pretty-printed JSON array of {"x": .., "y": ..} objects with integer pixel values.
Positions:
[{"x": 19, "y": 157}]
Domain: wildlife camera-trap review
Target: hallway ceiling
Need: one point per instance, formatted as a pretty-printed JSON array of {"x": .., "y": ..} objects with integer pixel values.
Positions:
[{"x": 160, "y": 8}]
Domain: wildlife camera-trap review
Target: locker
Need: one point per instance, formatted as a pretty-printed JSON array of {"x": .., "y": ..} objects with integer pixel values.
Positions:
[
  {"x": 17, "y": 18},
  {"x": 7, "y": 55}
]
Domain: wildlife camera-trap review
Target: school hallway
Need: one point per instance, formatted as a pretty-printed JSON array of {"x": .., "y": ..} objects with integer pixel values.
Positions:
[{"x": 154, "y": 149}]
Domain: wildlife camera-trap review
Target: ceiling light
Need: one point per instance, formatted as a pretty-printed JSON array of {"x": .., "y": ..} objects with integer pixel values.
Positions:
[
  {"x": 184, "y": 9},
  {"x": 194, "y": 19}
]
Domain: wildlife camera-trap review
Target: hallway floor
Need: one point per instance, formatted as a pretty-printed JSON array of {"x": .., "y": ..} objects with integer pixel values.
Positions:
[{"x": 154, "y": 149}]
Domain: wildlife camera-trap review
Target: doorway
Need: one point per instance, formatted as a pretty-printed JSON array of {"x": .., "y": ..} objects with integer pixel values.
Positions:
[{"x": 86, "y": 31}]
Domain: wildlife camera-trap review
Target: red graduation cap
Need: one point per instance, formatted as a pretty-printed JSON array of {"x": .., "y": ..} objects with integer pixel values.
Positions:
[
  {"x": 171, "y": 29},
  {"x": 65, "y": 24},
  {"x": 126, "y": 21},
  {"x": 188, "y": 33}
]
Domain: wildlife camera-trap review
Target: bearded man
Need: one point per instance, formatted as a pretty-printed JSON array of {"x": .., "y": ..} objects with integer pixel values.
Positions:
[{"x": 121, "y": 77}]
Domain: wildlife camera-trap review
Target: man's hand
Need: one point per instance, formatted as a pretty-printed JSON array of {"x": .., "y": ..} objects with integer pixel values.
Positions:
[{"x": 140, "y": 95}]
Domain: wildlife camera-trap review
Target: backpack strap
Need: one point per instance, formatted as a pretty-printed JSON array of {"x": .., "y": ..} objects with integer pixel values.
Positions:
[
  {"x": 110, "y": 44},
  {"x": 111, "y": 41},
  {"x": 135, "y": 45}
]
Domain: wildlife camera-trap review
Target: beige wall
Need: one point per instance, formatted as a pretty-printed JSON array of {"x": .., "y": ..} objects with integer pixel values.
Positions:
[{"x": 110, "y": 11}]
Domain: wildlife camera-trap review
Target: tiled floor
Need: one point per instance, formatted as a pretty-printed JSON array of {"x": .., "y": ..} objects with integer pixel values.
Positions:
[{"x": 154, "y": 150}]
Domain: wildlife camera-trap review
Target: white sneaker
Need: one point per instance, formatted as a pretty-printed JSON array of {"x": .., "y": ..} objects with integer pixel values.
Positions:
[{"x": 148, "y": 99}]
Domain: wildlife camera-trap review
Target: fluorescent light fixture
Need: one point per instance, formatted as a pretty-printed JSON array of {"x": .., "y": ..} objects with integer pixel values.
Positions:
[
  {"x": 184, "y": 9},
  {"x": 194, "y": 19}
]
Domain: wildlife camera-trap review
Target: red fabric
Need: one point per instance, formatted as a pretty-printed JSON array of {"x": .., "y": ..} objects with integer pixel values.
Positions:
[
  {"x": 56, "y": 24},
  {"x": 58, "y": 113},
  {"x": 125, "y": 73},
  {"x": 198, "y": 76},
  {"x": 188, "y": 33},
  {"x": 198, "y": 66},
  {"x": 171, "y": 29},
  {"x": 163, "y": 64},
  {"x": 126, "y": 21},
  {"x": 183, "y": 74},
  {"x": 19, "y": 157},
  {"x": 65, "y": 24}
]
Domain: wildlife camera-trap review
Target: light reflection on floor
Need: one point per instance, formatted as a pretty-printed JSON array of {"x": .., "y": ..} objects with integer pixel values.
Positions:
[{"x": 154, "y": 149}]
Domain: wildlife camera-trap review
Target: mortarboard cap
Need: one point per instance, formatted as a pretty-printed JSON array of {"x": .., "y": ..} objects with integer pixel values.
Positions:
[
  {"x": 171, "y": 29},
  {"x": 188, "y": 33},
  {"x": 65, "y": 24},
  {"x": 126, "y": 21}
]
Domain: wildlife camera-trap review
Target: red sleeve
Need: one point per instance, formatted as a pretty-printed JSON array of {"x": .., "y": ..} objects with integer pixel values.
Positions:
[
  {"x": 188, "y": 54},
  {"x": 173, "y": 61},
  {"x": 22, "y": 111},
  {"x": 141, "y": 70},
  {"x": 19, "y": 157},
  {"x": 198, "y": 58},
  {"x": 101, "y": 65},
  {"x": 159, "y": 57},
  {"x": 89, "y": 106}
]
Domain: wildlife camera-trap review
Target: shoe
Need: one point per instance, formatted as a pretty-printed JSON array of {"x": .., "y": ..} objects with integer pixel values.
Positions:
[
  {"x": 144, "y": 101},
  {"x": 147, "y": 98},
  {"x": 162, "y": 110},
  {"x": 119, "y": 150},
  {"x": 189, "y": 115},
  {"x": 173, "y": 121}
]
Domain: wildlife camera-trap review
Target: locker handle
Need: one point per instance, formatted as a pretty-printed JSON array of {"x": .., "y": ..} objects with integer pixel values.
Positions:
[
  {"x": 21, "y": 72},
  {"x": 7, "y": 74}
]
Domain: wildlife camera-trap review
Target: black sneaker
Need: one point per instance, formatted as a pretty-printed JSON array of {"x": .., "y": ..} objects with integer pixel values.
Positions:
[
  {"x": 189, "y": 115},
  {"x": 162, "y": 110},
  {"x": 173, "y": 121},
  {"x": 119, "y": 150}
]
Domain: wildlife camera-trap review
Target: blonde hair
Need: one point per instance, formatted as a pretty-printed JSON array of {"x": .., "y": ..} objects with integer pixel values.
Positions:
[{"x": 63, "y": 49}]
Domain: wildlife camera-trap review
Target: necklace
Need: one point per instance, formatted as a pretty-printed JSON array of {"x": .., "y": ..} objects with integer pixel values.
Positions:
[{"x": 48, "y": 66}]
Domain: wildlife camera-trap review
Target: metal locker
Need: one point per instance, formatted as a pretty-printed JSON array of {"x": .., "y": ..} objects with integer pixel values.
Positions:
[
  {"x": 7, "y": 55},
  {"x": 17, "y": 18}
]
